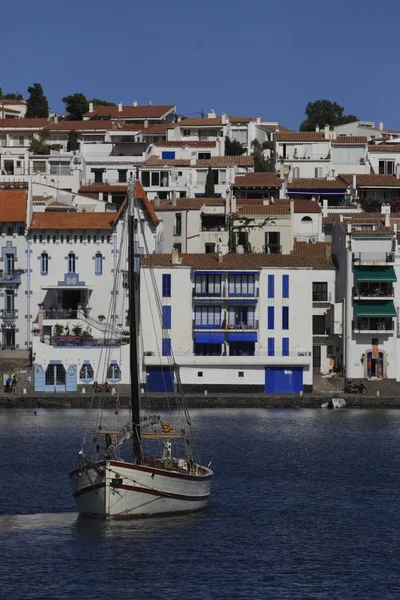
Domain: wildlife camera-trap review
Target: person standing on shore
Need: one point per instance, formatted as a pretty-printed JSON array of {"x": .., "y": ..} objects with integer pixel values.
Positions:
[{"x": 14, "y": 385}]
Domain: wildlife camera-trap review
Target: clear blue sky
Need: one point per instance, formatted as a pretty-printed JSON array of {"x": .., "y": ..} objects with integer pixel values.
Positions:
[{"x": 245, "y": 58}]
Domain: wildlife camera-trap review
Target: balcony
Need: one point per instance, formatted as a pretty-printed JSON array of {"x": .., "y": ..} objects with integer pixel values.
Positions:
[
  {"x": 373, "y": 258},
  {"x": 72, "y": 341},
  {"x": 272, "y": 249},
  {"x": 9, "y": 315},
  {"x": 12, "y": 277},
  {"x": 250, "y": 325},
  {"x": 307, "y": 157},
  {"x": 374, "y": 291},
  {"x": 373, "y": 325}
]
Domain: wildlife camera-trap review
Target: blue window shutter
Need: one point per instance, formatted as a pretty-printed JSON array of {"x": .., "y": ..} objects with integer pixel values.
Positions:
[
  {"x": 166, "y": 317},
  {"x": 285, "y": 317},
  {"x": 166, "y": 347},
  {"x": 285, "y": 346},
  {"x": 271, "y": 347},
  {"x": 271, "y": 315},
  {"x": 271, "y": 286},
  {"x": 166, "y": 285},
  {"x": 168, "y": 155},
  {"x": 285, "y": 286}
]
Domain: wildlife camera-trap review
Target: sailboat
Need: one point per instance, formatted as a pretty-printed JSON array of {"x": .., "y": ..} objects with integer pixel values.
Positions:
[{"x": 145, "y": 484}]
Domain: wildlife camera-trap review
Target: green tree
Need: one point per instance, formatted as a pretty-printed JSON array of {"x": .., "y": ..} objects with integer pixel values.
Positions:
[
  {"x": 233, "y": 147},
  {"x": 324, "y": 112},
  {"x": 12, "y": 96},
  {"x": 261, "y": 164},
  {"x": 40, "y": 145},
  {"x": 210, "y": 185},
  {"x": 72, "y": 144},
  {"x": 37, "y": 105},
  {"x": 98, "y": 102},
  {"x": 76, "y": 105}
]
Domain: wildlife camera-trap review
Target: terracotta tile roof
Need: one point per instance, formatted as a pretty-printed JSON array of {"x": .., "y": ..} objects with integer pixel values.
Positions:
[
  {"x": 300, "y": 136},
  {"x": 79, "y": 126},
  {"x": 188, "y": 203},
  {"x": 189, "y": 144},
  {"x": 372, "y": 180},
  {"x": 141, "y": 195},
  {"x": 306, "y": 206},
  {"x": 12, "y": 101},
  {"x": 316, "y": 184},
  {"x": 258, "y": 180},
  {"x": 23, "y": 123},
  {"x": 214, "y": 122},
  {"x": 269, "y": 128},
  {"x": 73, "y": 220},
  {"x": 155, "y": 161},
  {"x": 349, "y": 139},
  {"x": 315, "y": 249},
  {"x": 103, "y": 187},
  {"x": 384, "y": 148},
  {"x": 247, "y": 261},
  {"x": 152, "y": 129},
  {"x": 381, "y": 231},
  {"x": 263, "y": 209},
  {"x": 13, "y": 206},
  {"x": 227, "y": 161},
  {"x": 132, "y": 112}
]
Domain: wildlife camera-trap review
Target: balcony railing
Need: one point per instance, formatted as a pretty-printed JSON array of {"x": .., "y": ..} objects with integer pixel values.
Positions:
[
  {"x": 58, "y": 313},
  {"x": 272, "y": 249},
  {"x": 244, "y": 325},
  {"x": 10, "y": 315},
  {"x": 226, "y": 293},
  {"x": 370, "y": 292},
  {"x": 77, "y": 340},
  {"x": 11, "y": 277},
  {"x": 373, "y": 324},
  {"x": 373, "y": 257}
]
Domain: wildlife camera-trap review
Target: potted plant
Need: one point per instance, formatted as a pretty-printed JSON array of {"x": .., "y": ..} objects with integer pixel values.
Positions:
[
  {"x": 77, "y": 329},
  {"x": 58, "y": 329}
]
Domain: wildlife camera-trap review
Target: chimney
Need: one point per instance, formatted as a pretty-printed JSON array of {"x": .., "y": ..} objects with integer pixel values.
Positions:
[
  {"x": 348, "y": 227},
  {"x": 325, "y": 207},
  {"x": 119, "y": 106},
  {"x": 341, "y": 218},
  {"x": 90, "y": 106},
  {"x": 179, "y": 119},
  {"x": 223, "y": 118},
  {"x": 233, "y": 204},
  {"x": 134, "y": 103},
  {"x": 258, "y": 119},
  {"x": 193, "y": 160},
  {"x": 333, "y": 134},
  {"x": 150, "y": 102},
  {"x": 220, "y": 255},
  {"x": 354, "y": 182},
  {"x": 327, "y": 132},
  {"x": 380, "y": 126},
  {"x": 211, "y": 114},
  {"x": 157, "y": 202},
  {"x": 146, "y": 123},
  {"x": 55, "y": 118},
  {"x": 175, "y": 256},
  {"x": 317, "y": 128},
  {"x": 387, "y": 218},
  {"x": 398, "y": 171},
  {"x": 173, "y": 198}
]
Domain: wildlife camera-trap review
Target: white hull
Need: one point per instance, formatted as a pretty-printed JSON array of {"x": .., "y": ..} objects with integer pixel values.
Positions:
[{"x": 125, "y": 491}]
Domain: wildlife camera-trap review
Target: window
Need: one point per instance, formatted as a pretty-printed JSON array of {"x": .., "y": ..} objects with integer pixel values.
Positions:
[
  {"x": 240, "y": 373},
  {"x": 386, "y": 167},
  {"x": 21, "y": 140},
  {"x": 319, "y": 292},
  {"x": 145, "y": 178},
  {"x": 177, "y": 246},
  {"x": 166, "y": 285},
  {"x": 318, "y": 173},
  {"x": 86, "y": 371},
  {"x": 178, "y": 224},
  {"x": 208, "y": 285},
  {"x": 44, "y": 263},
  {"x": 285, "y": 317},
  {"x": 207, "y": 316},
  {"x": 271, "y": 317},
  {"x": 9, "y": 338},
  {"x": 186, "y": 132},
  {"x": 155, "y": 178},
  {"x": 316, "y": 357},
  {"x": 98, "y": 175},
  {"x": 241, "y": 317},
  {"x": 199, "y": 373},
  {"x": 285, "y": 286},
  {"x": 207, "y": 350},
  {"x": 271, "y": 347},
  {"x": 71, "y": 262},
  {"x": 285, "y": 346},
  {"x": 319, "y": 324},
  {"x": 209, "y": 248},
  {"x": 241, "y": 285},
  {"x": 166, "y": 347},
  {"x": 168, "y": 155},
  {"x": 166, "y": 317},
  {"x": 98, "y": 263},
  {"x": 113, "y": 372},
  {"x": 204, "y": 155},
  {"x": 9, "y": 264},
  {"x": 122, "y": 175},
  {"x": 9, "y": 301},
  {"x": 271, "y": 285}
]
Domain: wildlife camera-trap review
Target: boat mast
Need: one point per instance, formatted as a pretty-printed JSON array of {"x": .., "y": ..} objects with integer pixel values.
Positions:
[{"x": 133, "y": 280}]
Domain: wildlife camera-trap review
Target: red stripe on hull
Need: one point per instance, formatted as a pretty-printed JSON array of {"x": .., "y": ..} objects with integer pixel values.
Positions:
[{"x": 143, "y": 491}]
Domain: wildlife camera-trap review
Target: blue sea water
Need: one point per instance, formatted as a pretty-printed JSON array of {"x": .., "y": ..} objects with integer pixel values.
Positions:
[{"x": 305, "y": 505}]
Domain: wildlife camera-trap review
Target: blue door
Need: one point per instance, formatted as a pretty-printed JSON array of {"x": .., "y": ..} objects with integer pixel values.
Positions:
[
  {"x": 159, "y": 380},
  {"x": 71, "y": 384},
  {"x": 55, "y": 377},
  {"x": 283, "y": 380},
  {"x": 39, "y": 378}
]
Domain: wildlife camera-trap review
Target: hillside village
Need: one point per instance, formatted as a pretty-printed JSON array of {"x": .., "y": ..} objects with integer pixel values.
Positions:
[{"x": 276, "y": 252}]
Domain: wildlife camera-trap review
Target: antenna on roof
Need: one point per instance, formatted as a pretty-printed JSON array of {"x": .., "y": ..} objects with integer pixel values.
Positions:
[{"x": 150, "y": 102}]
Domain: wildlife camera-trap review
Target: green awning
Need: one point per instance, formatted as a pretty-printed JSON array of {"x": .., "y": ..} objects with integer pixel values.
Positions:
[
  {"x": 375, "y": 308},
  {"x": 375, "y": 274}
]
